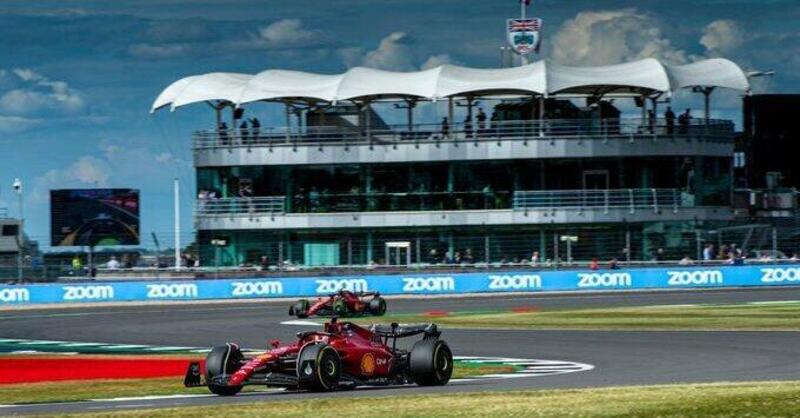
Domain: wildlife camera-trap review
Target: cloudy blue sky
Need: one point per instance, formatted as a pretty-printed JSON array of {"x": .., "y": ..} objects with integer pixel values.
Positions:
[{"x": 77, "y": 77}]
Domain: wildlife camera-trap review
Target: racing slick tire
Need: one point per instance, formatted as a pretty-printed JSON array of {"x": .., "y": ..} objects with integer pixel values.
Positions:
[
  {"x": 377, "y": 306},
  {"x": 430, "y": 362},
  {"x": 319, "y": 368},
  {"x": 223, "y": 360},
  {"x": 339, "y": 307},
  {"x": 300, "y": 309}
]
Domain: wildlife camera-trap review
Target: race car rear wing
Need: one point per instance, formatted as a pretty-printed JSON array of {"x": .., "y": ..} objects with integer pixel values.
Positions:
[{"x": 396, "y": 330}]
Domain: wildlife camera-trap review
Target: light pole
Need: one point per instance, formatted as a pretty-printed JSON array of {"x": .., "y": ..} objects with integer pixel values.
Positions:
[{"x": 17, "y": 186}]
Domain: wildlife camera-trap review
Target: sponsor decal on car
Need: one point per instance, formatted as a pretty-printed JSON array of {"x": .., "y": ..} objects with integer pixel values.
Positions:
[
  {"x": 779, "y": 275},
  {"x": 604, "y": 280},
  {"x": 12, "y": 295},
  {"x": 326, "y": 286},
  {"x": 694, "y": 277},
  {"x": 177, "y": 290},
  {"x": 88, "y": 292},
  {"x": 428, "y": 284},
  {"x": 260, "y": 288},
  {"x": 368, "y": 364},
  {"x": 515, "y": 281}
]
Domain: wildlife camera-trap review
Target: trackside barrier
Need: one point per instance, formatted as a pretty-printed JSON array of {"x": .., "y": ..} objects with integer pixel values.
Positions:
[{"x": 423, "y": 284}]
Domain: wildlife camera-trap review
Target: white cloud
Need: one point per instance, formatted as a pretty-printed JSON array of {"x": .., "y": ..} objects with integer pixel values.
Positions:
[
  {"x": 27, "y": 93},
  {"x": 157, "y": 51},
  {"x": 287, "y": 32},
  {"x": 722, "y": 37},
  {"x": 436, "y": 60},
  {"x": 393, "y": 53},
  {"x": 610, "y": 37},
  {"x": 13, "y": 124},
  {"x": 85, "y": 171}
]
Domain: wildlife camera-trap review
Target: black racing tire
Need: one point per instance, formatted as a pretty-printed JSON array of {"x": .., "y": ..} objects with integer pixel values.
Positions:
[
  {"x": 319, "y": 368},
  {"x": 377, "y": 306},
  {"x": 430, "y": 362},
  {"x": 340, "y": 307},
  {"x": 300, "y": 309},
  {"x": 223, "y": 360}
]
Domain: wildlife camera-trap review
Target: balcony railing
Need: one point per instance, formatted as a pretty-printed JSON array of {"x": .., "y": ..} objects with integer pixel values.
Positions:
[
  {"x": 241, "y": 206},
  {"x": 548, "y": 129},
  {"x": 630, "y": 199}
]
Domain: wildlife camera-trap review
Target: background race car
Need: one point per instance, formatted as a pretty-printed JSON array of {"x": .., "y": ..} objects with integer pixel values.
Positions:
[
  {"x": 343, "y": 355},
  {"x": 342, "y": 303}
]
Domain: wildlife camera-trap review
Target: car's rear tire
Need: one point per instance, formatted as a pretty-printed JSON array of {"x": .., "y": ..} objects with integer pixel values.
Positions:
[
  {"x": 223, "y": 360},
  {"x": 430, "y": 362},
  {"x": 300, "y": 309},
  {"x": 340, "y": 307},
  {"x": 377, "y": 306},
  {"x": 319, "y": 368}
]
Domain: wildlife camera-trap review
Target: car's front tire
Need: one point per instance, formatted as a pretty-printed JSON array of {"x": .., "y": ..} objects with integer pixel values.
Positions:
[
  {"x": 223, "y": 360},
  {"x": 318, "y": 367},
  {"x": 430, "y": 362},
  {"x": 300, "y": 309},
  {"x": 377, "y": 306}
]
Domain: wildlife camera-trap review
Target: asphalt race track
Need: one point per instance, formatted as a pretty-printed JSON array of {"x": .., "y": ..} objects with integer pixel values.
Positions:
[{"x": 619, "y": 358}]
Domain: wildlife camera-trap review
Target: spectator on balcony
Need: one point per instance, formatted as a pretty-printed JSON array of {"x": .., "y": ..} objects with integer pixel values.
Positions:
[
  {"x": 468, "y": 126},
  {"x": 669, "y": 116},
  {"x": 534, "y": 258},
  {"x": 651, "y": 121},
  {"x": 244, "y": 132},
  {"x": 255, "y": 129},
  {"x": 112, "y": 264},
  {"x": 613, "y": 264},
  {"x": 708, "y": 252},
  {"x": 264, "y": 263},
  {"x": 127, "y": 263},
  {"x": 313, "y": 199},
  {"x": 481, "y": 121},
  {"x": 594, "y": 264},
  {"x": 659, "y": 255},
  {"x": 684, "y": 120},
  {"x": 445, "y": 128},
  {"x": 468, "y": 257},
  {"x": 223, "y": 134},
  {"x": 433, "y": 256}
]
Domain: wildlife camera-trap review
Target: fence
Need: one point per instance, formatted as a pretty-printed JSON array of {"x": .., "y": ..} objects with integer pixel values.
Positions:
[
  {"x": 600, "y": 129},
  {"x": 521, "y": 280}
]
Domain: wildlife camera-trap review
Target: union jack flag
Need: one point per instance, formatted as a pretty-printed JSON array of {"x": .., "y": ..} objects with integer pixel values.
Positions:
[{"x": 524, "y": 25}]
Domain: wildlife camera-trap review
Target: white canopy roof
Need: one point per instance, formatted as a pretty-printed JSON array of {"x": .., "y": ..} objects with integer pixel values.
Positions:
[{"x": 540, "y": 78}]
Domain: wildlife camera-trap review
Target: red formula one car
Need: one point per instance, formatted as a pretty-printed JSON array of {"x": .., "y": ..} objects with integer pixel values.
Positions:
[
  {"x": 344, "y": 355},
  {"x": 342, "y": 303}
]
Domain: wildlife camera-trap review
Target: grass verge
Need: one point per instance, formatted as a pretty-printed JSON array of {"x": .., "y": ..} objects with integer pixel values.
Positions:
[
  {"x": 741, "y": 317},
  {"x": 69, "y": 391},
  {"x": 773, "y": 399}
]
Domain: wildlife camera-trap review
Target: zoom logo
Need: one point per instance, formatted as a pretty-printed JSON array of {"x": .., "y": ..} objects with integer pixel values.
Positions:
[
  {"x": 88, "y": 292},
  {"x": 256, "y": 288},
  {"x": 428, "y": 284},
  {"x": 333, "y": 285},
  {"x": 694, "y": 277},
  {"x": 604, "y": 280},
  {"x": 516, "y": 281},
  {"x": 10, "y": 295},
  {"x": 778, "y": 275},
  {"x": 178, "y": 290}
]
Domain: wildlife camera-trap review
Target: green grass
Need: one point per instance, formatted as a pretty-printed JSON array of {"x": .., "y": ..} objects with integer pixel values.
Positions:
[
  {"x": 773, "y": 399},
  {"x": 755, "y": 317},
  {"x": 69, "y": 391}
]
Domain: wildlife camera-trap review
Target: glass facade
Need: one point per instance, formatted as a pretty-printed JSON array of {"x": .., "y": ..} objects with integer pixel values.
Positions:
[
  {"x": 462, "y": 185},
  {"x": 475, "y": 244}
]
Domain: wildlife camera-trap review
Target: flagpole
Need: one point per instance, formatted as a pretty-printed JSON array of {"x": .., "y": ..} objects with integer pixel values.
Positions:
[{"x": 522, "y": 6}]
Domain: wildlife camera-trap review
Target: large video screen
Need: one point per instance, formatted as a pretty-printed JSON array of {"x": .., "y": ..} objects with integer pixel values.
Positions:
[{"x": 94, "y": 217}]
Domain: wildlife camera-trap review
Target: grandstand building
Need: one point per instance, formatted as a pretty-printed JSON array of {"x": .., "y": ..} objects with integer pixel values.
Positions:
[{"x": 536, "y": 161}]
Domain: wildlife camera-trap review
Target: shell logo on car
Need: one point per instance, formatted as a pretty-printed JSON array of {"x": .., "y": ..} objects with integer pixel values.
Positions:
[{"x": 368, "y": 364}]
